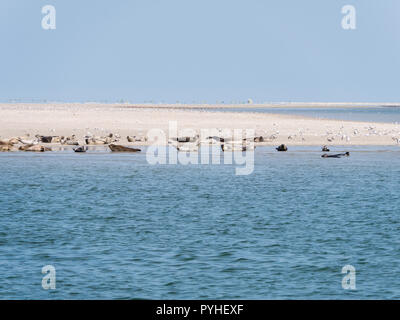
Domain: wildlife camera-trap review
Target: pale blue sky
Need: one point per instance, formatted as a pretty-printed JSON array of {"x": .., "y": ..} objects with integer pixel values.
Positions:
[{"x": 204, "y": 50}]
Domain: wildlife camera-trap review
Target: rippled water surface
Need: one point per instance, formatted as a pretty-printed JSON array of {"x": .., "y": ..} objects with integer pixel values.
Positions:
[{"x": 116, "y": 227}]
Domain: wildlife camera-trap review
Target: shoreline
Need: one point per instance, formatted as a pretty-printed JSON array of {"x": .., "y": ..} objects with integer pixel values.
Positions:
[
  {"x": 81, "y": 119},
  {"x": 186, "y": 106}
]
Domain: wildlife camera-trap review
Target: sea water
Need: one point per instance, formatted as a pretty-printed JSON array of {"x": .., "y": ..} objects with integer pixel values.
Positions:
[
  {"x": 115, "y": 227},
  {"x": 371, "y": 114}
]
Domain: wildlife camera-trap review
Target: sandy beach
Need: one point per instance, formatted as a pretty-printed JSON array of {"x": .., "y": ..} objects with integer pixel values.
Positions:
[{"x": 81, "y": 119}]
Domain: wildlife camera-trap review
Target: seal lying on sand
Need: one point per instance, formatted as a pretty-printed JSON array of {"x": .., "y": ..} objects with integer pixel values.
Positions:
[
  {"x": 34, "y": 148},
  {"x": 5, "y": 148},
  {"x": 45, "y": 139},
  {"x": 4, "y": 143},
  {"x": 118, "y": 148},
  {"x": 339, "y": 155}
]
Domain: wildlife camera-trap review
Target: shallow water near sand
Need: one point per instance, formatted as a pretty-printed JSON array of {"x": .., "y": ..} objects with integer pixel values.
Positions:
[
  {"x": 371, "y": 114},
  {"x": 115, "y": 227}
]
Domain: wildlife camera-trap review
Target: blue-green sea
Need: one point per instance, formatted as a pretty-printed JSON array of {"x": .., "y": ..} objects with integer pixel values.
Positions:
[{"x": 115, "y": 227}]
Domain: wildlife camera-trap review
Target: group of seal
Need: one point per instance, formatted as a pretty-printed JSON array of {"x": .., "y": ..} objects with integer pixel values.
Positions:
[
  {"x": 283, "y": 148},
  {"x": 337, "y": 155}
]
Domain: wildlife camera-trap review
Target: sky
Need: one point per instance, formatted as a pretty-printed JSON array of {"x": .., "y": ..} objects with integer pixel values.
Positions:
[{"x": 202, "y": 51}]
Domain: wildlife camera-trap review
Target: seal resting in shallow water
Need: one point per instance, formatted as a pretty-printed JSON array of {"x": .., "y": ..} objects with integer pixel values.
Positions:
[
  {"x": 339, "y": 155},
  {"x": 237, "y": 146},
  {"x": 325, "y": 149},
  {"x": 233, "y": 147},
  {"x": 118, "y": 148},
  {"x": 282, "y": 147},
  {"x": 80, "y": 149},
  {"x": 187, "y": 147}
]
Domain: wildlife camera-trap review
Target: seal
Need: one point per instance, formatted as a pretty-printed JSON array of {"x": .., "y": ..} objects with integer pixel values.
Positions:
[
  {"x": 80, "y": 149},
  {"x": 282, "y": 148},
  {"x": 339, "y": 155},
  {"x": 118, "y": 148}
]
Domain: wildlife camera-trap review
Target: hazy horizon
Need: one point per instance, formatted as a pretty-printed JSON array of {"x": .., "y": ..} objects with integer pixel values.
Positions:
[{"x": 200, "y": 52}]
